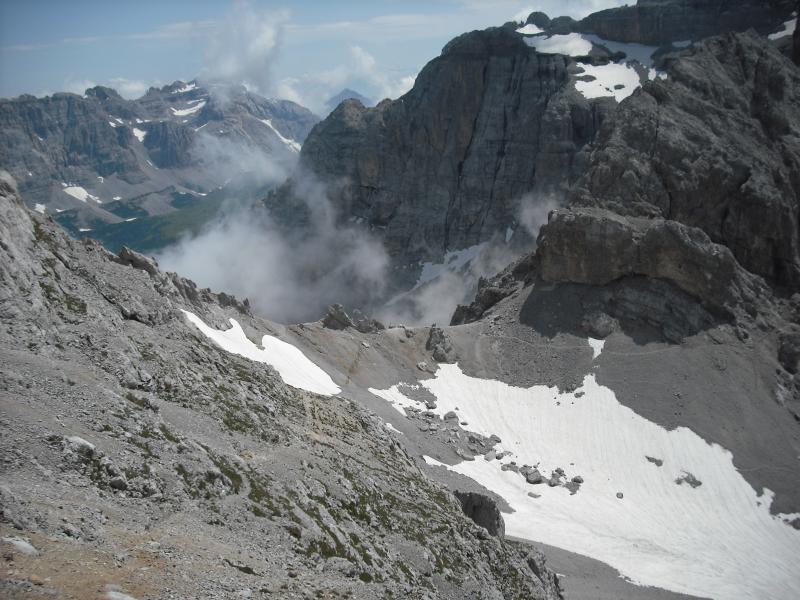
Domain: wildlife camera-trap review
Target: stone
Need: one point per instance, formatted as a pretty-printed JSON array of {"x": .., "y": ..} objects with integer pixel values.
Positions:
[
  {"x": 483, "y": 511},
  {"x": 713, "y": 178},
  {"x": 118, "y": 483}
]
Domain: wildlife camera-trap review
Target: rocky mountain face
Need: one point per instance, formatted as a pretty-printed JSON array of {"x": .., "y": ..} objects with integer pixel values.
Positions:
[
  {"x": 715, "y": 146},
  {"x": 444, "y": 166},
  {"x": 498, "y": 128},
  {"x": 657, "y": 22},
  {"x": 98, "y": 159},
  {"x": 140, "y": 458}
]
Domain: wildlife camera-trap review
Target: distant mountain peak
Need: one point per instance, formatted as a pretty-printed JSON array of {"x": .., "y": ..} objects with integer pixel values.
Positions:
[{"x": 346, "y": 94}]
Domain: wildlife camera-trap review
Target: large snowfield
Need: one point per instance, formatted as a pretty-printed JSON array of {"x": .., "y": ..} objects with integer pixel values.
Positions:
[
  {"x": 291, "y": 364},
  {"x": 717, "y": 539}
]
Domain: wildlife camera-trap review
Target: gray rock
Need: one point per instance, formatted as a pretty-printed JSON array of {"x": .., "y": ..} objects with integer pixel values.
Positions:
[
  {"x": 675, "y": 151},
  {"x": 483, "y": 510},
  {"x": 665, "y": 21},
  {"x": 596, "y": 247},
  {"x": 424, "y": 184}
]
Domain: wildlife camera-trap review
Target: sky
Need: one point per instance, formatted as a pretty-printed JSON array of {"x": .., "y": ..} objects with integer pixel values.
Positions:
[{"x": 305, "y": 50}]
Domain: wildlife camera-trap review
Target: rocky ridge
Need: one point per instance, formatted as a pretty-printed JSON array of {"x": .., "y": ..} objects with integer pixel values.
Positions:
[
  {"x": 99, "y": 159},
  {"x": 141, "y": 459}
]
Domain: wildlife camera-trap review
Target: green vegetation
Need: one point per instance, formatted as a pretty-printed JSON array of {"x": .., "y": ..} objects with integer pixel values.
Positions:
[{"x": 168, "y": 435}]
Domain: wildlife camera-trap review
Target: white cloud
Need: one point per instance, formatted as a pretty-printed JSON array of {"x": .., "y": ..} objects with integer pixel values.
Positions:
[
  {"x": 244, "y": 46},
  {"x": 77, "y": 86},
  {"x": 130, "y": 88}
]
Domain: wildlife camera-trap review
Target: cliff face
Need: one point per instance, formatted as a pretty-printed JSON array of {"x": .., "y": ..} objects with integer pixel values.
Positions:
[
  {"x": 660, "y": 22},
  {"x": 444, "y": 166},
  {"x": 715, "y": 146}
]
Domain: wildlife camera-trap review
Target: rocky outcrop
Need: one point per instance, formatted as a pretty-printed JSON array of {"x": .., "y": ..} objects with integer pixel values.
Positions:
[
  {"x": 444, "y": 166},
  {"x": 714, "y": 146},
  {"x": 483, "y": 510},
  {"x": 597, "y": 247},
  {"x": 168, "y": 144},
  {"x": 658, "y": 22},
  {"x": 337, "y": 318}
]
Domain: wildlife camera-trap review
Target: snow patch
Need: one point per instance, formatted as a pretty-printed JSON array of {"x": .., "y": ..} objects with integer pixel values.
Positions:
[
  {"x": 294, "y": 146},
  {"x": 40, "y": 208},
  {"x": 139, "y": 134},
  {"x": 570, "y": 44},
  {"x": 117, "y": 198},
  {"x": 638, "y": 52},
  {"x": 788, "y": 28},
  {"x": 100, "y": 179},
  {"x": 187, "y": 88},
  {"x": 509, "y": 234},
  {"x": 529, "y": 29},
  {"x": 80, "y": 193},
  {"x": 112, "y": 124},
  {"x": 131, "y": 219},
  {"x": 612, "y": 79},
  {"x": 453, "y": 261},
  {"x": 292, "y": 365},
  {"x": 391, "y": 427},
  {"x": 597, "y": 346},
  {"x": 84, "y": 230},
  {"x": 188, "y": 111},
  {"x": 627, "y": 513}
]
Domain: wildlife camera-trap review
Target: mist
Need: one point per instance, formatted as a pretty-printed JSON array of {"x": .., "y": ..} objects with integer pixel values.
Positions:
[
  {"x": 287, "y": 276},
  {"x": 435, "y": 301}
]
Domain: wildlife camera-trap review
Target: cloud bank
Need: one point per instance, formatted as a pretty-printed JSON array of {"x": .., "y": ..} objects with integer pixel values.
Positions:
[{"x": 287, "y": 276}]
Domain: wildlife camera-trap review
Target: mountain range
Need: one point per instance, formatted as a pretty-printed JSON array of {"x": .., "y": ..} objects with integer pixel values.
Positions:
[
  {"x": 612, "y": 411},
  {"x": 99, "y": 162}
]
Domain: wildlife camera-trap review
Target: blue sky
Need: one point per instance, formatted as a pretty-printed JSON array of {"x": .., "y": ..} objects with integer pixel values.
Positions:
[{"x": 301, "y": 50}]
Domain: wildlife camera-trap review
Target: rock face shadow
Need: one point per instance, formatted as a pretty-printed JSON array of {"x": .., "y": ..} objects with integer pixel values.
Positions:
[{"x": 647, "y": 310}]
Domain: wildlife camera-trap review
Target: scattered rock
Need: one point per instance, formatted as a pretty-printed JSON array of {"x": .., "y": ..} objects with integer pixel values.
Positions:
[
  {"x": 22, "y": 546},
  {"x": 690, "y": 479}
]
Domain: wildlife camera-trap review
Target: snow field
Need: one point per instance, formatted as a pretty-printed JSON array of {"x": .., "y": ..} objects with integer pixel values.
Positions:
[
  {"x": 292, "y": 365},
  {"x": 716, "y": 540}
]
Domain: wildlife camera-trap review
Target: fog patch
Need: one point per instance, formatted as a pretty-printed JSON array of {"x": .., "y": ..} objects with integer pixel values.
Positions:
[
  {"x": 246, "y": 164},
  {"x": 534, "y": 210},
  {"x": 244, "y": 47},
  {"x": 287, "y": 276},
  {"x": 435, "y": 299}
]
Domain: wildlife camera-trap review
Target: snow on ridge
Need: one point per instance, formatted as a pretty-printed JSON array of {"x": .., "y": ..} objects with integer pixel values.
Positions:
[
  {"x": 788, "y": 28},
  {"x": 188, "y": 111},
  {"x": 635, "y": 514},
  {"x": 293, "y": 145},
  {"x": 570, "y": 44},
  {"x": 80, "y": 193},
  {"x": 529, "y": 29},
  {"x": 292, "y": 365},
  {"x": 187, "y": 88},
  {"x": 40, "y": 208}
]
